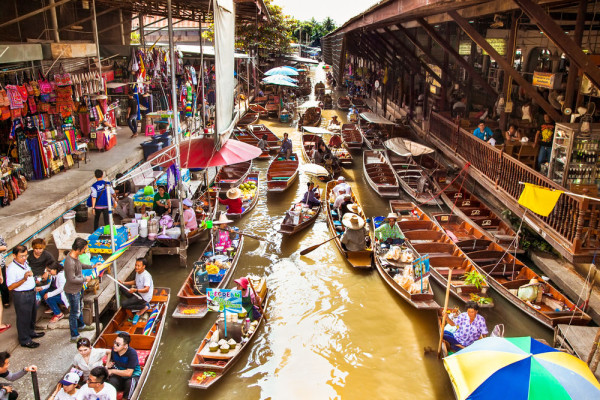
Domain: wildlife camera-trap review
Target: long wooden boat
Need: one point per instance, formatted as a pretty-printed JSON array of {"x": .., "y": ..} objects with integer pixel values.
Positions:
[
  {"x": 208, "y": 367},
  {"x": 309, "y": 145},
  {"x": 312, "y": 117},
  {"x": 257, "y": 108},
  {"x": 191, "y": 303},
  {"x": 246, "y": 136},
  {"x": 250, "y": 196},
  {"x": 344, "y": 103},
  {"x": 358, "y": 102},
  {"x": 357, "y": 259},
  {"x": 506, "y": 274},
  {"x": 341, "y": 152},
  {"x": 390, "y": 269},
  {"x": 248, "y": 119},
  {"x": 352, "y": 137},
  {"x": 319, "y": 89},
  {"x": 259, "y": 130},
  {"x": 476, "y": 212},
  {"x": 327, "y": 101},
  {"x": 145, "y": 335},
  {"x": 282, "y": 173},
  {"x": 288, "y": 227},
  {"x": 272, "y": 108},
  {"x": 379, "y": 174},
  {"x": 230, "y": 176},
  {"x": 371, "y": 138},
  {"x": 426, "y": 237}
]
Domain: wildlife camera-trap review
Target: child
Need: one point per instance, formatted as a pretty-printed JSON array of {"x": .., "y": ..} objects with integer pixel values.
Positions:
[{"x": 55, "y": 295}]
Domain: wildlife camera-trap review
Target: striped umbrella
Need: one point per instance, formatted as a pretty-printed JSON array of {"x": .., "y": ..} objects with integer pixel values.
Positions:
[{"x": 518, "y": 369}]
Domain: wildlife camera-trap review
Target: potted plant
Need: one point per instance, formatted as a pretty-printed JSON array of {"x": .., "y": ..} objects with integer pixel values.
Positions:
[{"x": 474, "y": 278}]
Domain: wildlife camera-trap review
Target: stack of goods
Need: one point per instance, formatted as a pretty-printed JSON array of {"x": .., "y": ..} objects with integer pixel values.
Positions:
[
  {"x": 217, "y": 267},
  {"x": 299, "y": 213},
  {"x": 144, "y": 197},
  {"x": 100, "y": 241},
  {"x": 248, "y": 189}
]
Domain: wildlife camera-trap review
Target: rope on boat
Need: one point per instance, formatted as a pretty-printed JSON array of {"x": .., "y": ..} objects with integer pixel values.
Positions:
[{"x": 465, "y": 168}]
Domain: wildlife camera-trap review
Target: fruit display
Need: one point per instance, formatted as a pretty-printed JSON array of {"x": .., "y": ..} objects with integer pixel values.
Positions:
[{"x": 248, "y": 189}]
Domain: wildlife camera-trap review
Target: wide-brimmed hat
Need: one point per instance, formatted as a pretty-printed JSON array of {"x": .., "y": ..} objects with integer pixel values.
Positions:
[
  {"x": 234, "y": 193},
  {"x": 187, "y": 202},
  {"x": 392, "y": 216},
  {"x": 334, "y": 116},
  {"x": 353, "y": 221},
  {"x": 243, "y": 282},
  {"x": 223, "y": 219},
  {"x": 353, "y": 208}
]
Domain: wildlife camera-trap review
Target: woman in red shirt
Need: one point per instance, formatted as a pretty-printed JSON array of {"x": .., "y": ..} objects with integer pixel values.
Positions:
[{"x": 233, "y": 201}]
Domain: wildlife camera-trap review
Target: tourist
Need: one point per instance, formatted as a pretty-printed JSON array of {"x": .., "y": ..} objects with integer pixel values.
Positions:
[
  {"x": 512, "y": 133},
  {"x": 311, "y": 196},
  {"x": 54, "y": 295},
  {"x": 354, "y": 238},
  {"x": 483, "y": 132},
  {"x": 19, "y": 279},
  {"x": 124, "y": 369},
  {"x": 544, "y": 137},
  {"x": 250, "y": 301},
  {"x": 224, "y": 239},
  {"x": 341, "y": 185},
  {"x": 39, "y": 259},
  {"x": 190, "y": 222},
  {"x": 340, "y": 199},
  {"x": 132, "y": 112},
  {"x": 74, "y": 287},
  {"x": 162, "y": 201},
  {"x": 347, "y": 206},
  {"x": 96, "y": 387},
  {"x": 100, "y": 198},
  {"x": 143, "y": 286},
  {"x": 389, "y": 232},
  {"x": 88, "y": 357},
  {"x": 3, "y": 287},
  {"x": 497, "y": 138},
  {"x": 6, "y": 391},
  {"x": 233, "y": 201},
  {"x": 263, "y": 143},
  {"x": 470, "y": 326},
  {"x": 66, "y": 388},
  {"x": 125, "y": 207},
  {"x": 286, "y": 147}
]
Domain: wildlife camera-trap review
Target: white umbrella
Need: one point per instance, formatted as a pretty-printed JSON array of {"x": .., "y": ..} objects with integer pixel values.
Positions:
[
  {"x": 281, "y": 71},
  {"x": 314, "y": 170}
]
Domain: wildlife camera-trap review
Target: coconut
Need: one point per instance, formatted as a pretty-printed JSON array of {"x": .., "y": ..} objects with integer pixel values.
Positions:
[
  {"x": 222, "y": 342},
  {"x": 224, "y": 348},
  {"x": 232, "y": 343},
  {"x": 213, "y": 346},
  {"x": 242, "y": 314}
]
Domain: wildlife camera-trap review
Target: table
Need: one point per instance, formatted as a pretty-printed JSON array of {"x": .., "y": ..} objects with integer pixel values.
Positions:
[{"x": 511, "y": 147}]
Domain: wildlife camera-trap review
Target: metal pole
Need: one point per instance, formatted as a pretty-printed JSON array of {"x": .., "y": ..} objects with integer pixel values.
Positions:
[
  {"x": 112, "y": 244},
  {"x": 36, "y": 386},
  {"x": 121, "y": 26},
  {"x": 54, "y": 21},
  {"x": 203, "y": 111},
  {"x": 97, "y": 41},
  {"x": 97, "y": 316}
]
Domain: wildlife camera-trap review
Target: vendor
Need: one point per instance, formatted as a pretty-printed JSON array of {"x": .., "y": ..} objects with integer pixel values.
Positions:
[
  {"x": 189, "y": 216},
  {"x": 389, "y": 232},
  {"x": 286, "y": 147},
  {"x": 311, "y": 197},
  {"x": 354, "y": 238},
  {"x": 470, "y": 326},
  {"x": 162, "y": 202},
  {"x": 334, "y": 124},
  {"x": 223, "y": 236},
  {"x": 233, "y": 201},
  {"x": 250, "y": 302}
]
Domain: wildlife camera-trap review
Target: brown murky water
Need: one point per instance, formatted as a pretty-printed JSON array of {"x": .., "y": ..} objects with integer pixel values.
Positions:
[{"x": 332, "y": 333}]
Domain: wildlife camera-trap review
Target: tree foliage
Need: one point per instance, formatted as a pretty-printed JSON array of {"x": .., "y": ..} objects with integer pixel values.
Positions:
[
  {"x": 274, "y": 36},
  {"x": 313, "y": 30}
]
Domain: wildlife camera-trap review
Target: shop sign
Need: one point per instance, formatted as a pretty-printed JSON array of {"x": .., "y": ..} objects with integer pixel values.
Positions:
[
  {"x": 546, "y": 80},
  {"x": 220, "y": 300},
  {"x": 498, "y": 44}
]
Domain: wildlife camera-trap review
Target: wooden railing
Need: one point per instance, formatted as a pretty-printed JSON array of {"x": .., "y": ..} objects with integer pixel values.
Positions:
[{"x": 574, "y": 222}]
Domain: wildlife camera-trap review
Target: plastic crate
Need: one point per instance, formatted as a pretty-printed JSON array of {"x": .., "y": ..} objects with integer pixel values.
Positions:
[{"x": 215, "y": 278}]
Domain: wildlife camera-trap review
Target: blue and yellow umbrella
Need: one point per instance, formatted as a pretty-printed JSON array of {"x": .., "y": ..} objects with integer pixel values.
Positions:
[{"x": 519, "y": 368}]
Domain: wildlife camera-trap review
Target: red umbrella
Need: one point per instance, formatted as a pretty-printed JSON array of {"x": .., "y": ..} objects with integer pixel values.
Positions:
[{"x": 199, "y": 153}]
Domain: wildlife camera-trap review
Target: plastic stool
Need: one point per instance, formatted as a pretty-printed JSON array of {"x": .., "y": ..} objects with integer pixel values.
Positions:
[{"x": 150, "y": 130}]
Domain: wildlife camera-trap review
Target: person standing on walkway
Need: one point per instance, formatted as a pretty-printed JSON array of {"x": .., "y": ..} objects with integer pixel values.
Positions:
[
  {"x": 3, "y": 286},
  {"x": 6, "y": 391},
  {"x": 132, "y": 112},
  {"x": 99, "y": 198},
  {"x": 74, "y": 287},
  {"x": 19, "y": 279}
]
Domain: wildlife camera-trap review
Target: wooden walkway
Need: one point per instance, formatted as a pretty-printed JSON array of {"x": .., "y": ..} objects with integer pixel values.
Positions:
[{"x": 577, "y": 340}]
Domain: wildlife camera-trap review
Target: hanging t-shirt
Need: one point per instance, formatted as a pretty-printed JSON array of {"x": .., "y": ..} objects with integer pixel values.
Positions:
[{"x": 141, "y": 281}]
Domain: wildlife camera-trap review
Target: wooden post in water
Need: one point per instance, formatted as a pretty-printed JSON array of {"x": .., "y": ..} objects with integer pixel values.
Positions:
[
  {"x": 594, "y": 356},
  {"x": 586, "y": 303},
  {"x": 439, "y": 352}
]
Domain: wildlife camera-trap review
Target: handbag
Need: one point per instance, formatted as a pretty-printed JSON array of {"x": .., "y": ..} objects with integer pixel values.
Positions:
[
  {"x": 4, "y": 101},
  {"x": 32, "y": 105},
  {"x": 36, "y": 88},
  {"x": 23, "y": 92},
  {"x": 4, "y": 113}
]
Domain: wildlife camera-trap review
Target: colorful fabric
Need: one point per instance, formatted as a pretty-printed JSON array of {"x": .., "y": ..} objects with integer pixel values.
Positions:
[
  {"x": 539, "y": 199},
  {"x": 385, "y": 232},
  {"x": 547, "y": 134},
  {"x": 467, "y": 333}
]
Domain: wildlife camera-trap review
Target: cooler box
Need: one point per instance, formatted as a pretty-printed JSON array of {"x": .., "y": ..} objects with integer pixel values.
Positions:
[{"x": 100, "y": 243}]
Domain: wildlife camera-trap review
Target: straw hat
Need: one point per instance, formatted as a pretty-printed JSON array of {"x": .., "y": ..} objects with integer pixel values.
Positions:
[
  {"x": 234, "y": 193},
  {"x": 223, "y": 219},
  {"x": 353, "y": 221},
  {"x": 354, "y": 208},
  {"x": 392, "y": 216}
]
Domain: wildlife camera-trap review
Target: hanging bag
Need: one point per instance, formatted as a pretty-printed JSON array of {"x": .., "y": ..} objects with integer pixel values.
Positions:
[
  {"x": 36, "y": 88},
  {"x": 4, "y": 102}
]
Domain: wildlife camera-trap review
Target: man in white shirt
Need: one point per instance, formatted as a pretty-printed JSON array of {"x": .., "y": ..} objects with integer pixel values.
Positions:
[
  {"x": 339, "y": 199},
  {"x": 19, "y": 279},
  {"x": 140, "y": 295},
  {"x": 341, "y": 184},
  {"x": 96, "y": 388}
]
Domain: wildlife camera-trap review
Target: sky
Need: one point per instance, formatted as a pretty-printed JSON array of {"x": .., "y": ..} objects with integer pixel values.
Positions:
[{"x": 339, "y": 10}]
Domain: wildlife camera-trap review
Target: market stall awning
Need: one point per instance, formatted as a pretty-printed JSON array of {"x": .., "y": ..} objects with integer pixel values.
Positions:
[
  {"x": 282, "y": 71},
  {"x": 375, "y": 119},
  {"x": 200, "y": 153},
  {"x": 407, "y": 148},
  {"x": 317, "y": 130}
]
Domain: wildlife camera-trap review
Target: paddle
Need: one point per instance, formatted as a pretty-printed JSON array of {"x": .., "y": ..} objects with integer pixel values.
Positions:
[
  {"x": 123, "y": 286},
  {"x": 314, "y": 247},
  {"x": 249, "y": 235},
  {"x": 439, "y": 350},
  {"x": 262, "y": 311}
]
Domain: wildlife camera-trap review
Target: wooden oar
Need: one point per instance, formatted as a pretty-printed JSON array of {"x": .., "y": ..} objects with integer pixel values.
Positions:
[
  {"x": 249, "y": 235},
  {"x": 262, "y": 311},
  {"x": 311, "y": 248},
  {"x": 439, "y": 351}
]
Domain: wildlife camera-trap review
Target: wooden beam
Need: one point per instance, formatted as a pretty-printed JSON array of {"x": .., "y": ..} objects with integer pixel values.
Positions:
[
  {"x": 88, "y": 18},
  {"x": 450, "y": 50},
  {"x": 36, "y": 12},
  {"x": 573, "y": 69},
  {"x": 529, "y": 89},
  {"x": 395, "y": 60},
  {"x": 557, "y": 35}
]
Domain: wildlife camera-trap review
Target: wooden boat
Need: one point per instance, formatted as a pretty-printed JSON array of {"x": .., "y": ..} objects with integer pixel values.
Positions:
[
  {"x": 272, "y": 108},
  {"x": 146, "y": 345},
  {"x": 426, "y": 237},
  {"x": 312, "y": 117},
  {"x": 248, "y": 119},
  {"x": 327, "y": 101},
  {"x": 344, "y": 103},
  {"x": 319, "y": 89},
  {"x": 357, "y": 259},
  {"x": 506, "y": 274},
  {"x": 389, "y": 268},
  {"x": 261, "y": 101},
  {"x": 373, "y": 138},
  {"x": 250, "y": 198},
  {"x": 352, "y": 137},
  {"x": 208, "y": 367},
  {"x": 282, "y": 173},
  {"x": 340, "y": 151},
  {"x": 230, "y": 176},
  {"x": 257, "y": 108},
  {"x": 309, "y": 145},
  {"x": 191, "y": 303},
  {"x": 379, "y": 174},
  {"x": 288, "y": 227},
  {"x": 246, "y": 136},
  {"x": 358, "y": 102},
  {"x": 259, "y": 130},
  {"x": 473, "y": 210}
]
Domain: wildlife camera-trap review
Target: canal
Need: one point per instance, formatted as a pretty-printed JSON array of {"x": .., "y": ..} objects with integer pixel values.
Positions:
[{"x": 331, "y": 333}]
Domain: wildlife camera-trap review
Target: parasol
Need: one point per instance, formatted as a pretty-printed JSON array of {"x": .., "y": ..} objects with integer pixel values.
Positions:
[
  {"x": 282, "y": 71},
  {"x": 407, "y": 148},
  {"x": 314, "y": 170}
]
